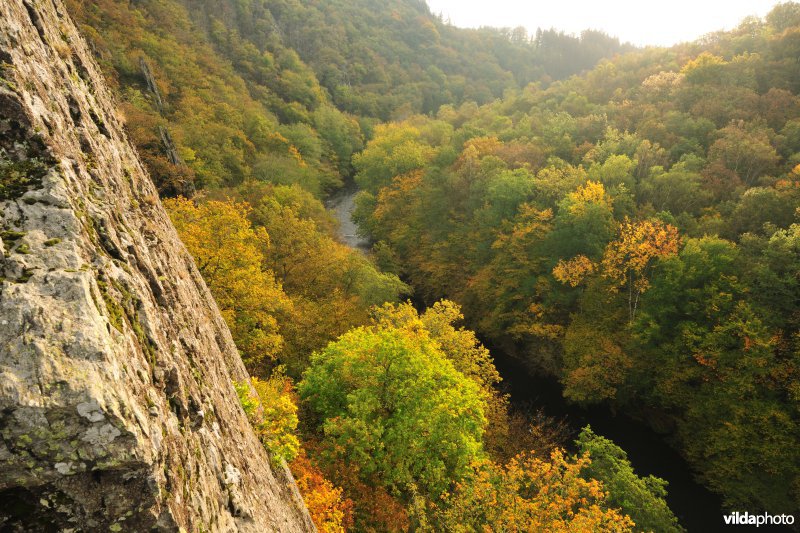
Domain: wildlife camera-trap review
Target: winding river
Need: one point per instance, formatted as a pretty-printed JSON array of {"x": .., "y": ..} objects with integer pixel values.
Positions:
[{"x": 697, "y": 508}]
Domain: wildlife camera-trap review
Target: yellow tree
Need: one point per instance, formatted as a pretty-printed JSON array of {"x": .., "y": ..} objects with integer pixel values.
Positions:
[
  {"x": 573, "y": 271},
  {"x": 230, "y": 255},
  {"x": 529, "y": 494},
  {"x": 332, "y": 286},
  {"x": 512, "y": 281},
  {"x": 627, "y": 261},
  {"x": 395, "y": 149}
]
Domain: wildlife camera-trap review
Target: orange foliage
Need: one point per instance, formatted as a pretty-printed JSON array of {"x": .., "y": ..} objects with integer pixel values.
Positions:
[
  {"x": 627, "y": 260},
  {"x": 530, "y": 494},
  {"x": 329, "y": 509},
  {"x": 638, "y": 244},
  {"x": 374, "y": 508},
  {"x": 390, "y": 197},
  {"x": 573, "y": 271},
  {"x": 367, "y": 504}
]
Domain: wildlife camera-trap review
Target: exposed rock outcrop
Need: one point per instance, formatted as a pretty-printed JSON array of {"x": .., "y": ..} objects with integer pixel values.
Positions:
[{"x": 117, "y": 411}]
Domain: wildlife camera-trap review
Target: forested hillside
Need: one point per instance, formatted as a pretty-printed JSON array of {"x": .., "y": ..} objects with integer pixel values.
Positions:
[
  {"x": 388, "y": 59},
  {"x": 262, "y": 116},
  {"x": 632, "y": 231},
  {"x": 625, "y": 220},
  {"x": 228, "y": 83}
]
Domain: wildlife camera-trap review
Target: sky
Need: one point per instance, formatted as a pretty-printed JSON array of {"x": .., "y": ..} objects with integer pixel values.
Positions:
[{"x": 642, "y": 22}]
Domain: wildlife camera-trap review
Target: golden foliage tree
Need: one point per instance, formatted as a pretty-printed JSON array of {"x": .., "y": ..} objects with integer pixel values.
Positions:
[
  {"x": 330, "y": 510},
  {"x": 628, "y": 260},
  {"x": 573, "y": 271},
  {"x": 230, "y": 255},
  {"x": 530, "y": 494}
]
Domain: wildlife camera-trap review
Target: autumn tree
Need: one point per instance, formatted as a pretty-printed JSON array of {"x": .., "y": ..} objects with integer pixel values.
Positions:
[
  {"x": 332, "y": 286},
  {"x": 229, "y": 253},
  {"x": 629, "y": 260},
  {"x": 272, "y": 412},
  {"x": 515, "y": 282},
  {"x": 529, "y": 494},
  {"x": 596, "y": 359},
  {"x": 584, "y": 223},
  {"x": 330, "y": 510},
  {"x": 397, "y": 149},
  {"x": 715, "y": 350},
  {"x": 395, "y": 408}
]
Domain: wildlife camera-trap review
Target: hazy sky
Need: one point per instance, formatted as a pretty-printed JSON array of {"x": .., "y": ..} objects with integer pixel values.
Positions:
[{"x": 642, "y": 22}]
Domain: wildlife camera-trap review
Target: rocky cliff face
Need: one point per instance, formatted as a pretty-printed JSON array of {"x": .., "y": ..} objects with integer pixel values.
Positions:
[{"x": 117, "y": 411}]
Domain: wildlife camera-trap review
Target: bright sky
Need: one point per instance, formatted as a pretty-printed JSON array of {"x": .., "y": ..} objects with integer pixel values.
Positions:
[{"x": 641, "y": 22}]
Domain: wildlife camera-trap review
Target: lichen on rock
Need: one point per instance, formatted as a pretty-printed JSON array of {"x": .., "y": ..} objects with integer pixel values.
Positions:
[{"x": 117, "y": 410}]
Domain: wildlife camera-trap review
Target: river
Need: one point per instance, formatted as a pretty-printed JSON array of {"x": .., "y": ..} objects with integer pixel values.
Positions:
[
  {"x": 342, "y": 203},
  {"x": 697, "y": 508}
]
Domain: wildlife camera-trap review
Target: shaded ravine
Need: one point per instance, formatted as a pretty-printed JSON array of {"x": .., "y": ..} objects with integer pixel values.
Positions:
[{"x": 697, "y": 508}]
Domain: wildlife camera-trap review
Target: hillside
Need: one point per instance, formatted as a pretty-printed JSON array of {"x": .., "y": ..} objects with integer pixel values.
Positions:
[
  {"x": 623, "y": 222},
  {"x": 632, "y": 232},
  {"x": 390, "y": 59},
  {"x": 285, "y": 92}
]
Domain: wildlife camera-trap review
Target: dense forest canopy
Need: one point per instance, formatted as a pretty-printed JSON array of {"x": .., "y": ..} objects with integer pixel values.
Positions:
[
  {"x": 284, "y": 91},
  {"x": 389, "y": 59},
  {"x": 624, "y": 220},
  {"x": 632, "y": 231}
]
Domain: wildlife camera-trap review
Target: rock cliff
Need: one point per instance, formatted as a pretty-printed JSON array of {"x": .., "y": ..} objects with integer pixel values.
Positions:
[{"x": 117, "y": 411}]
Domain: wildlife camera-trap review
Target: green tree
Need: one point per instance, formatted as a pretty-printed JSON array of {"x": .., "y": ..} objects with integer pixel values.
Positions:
[
  {"x": 640, "y": 498},
  {"x": 615, "y": 171},
  {"x": 709, "y": 355},
  {"x": 677, "y": 190},
  {"x": 596, "y": 361},
  {"x": 391, "y": 405},
  {"x": 396, "y": 149},
  {"x": 584, "y": 223},
  {"x": 273, "y": 414}
]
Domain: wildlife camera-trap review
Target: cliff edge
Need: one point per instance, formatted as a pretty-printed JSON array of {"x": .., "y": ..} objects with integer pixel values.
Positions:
[{"x": 117, "y": 411}]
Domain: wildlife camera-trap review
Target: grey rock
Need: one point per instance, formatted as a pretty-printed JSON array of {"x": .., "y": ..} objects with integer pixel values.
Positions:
[{"x": 117, "y": 410}]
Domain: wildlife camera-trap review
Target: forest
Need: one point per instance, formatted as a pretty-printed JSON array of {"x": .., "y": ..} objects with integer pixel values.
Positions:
[{"x": 623, "y": 220}]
